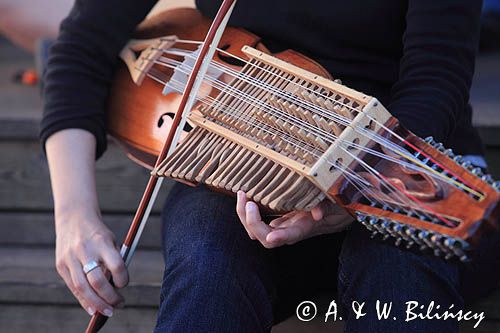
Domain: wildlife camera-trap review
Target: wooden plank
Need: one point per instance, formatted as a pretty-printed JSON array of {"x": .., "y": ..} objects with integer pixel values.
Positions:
[
  {"x": 37, "y": 229},
  {"x": 25, "y": 185},
  {"x": 63, "y": 319},
  {"x": 13, "y": 128},
  {"x": 21, "y": 102},
  {"x": 29, "y": 276}
]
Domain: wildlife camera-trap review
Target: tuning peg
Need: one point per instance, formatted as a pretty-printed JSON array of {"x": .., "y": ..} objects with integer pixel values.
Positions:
[
  {"x": 456, "y": 243},
  {"x": 423, "y": 235},
  {"x": 360, "y": 216},
  {"x": 458, "y": 159},
  {"x": 399, "y": 230},
  {"x": 437, "y": 239},
  {"x": 362, "y": 219},
  {"x": 430, "y": 140},
  {"x": 496, "y": 185},
  {"x": 439, "y": 146},
  {"x": 466, "y": 164},
  {"x": 487, "y": 178},
  {"x": 477, "y": 171},
  {"x": 383, "y": 231},
  {"x": 373, "y": 221},
  {"x": 448, "y": 152},
  {"x": 339, "y": 81},
  {"x": 386, "y": 224},
  {"x": 458, "y": 247},
  {"x": 411, "y": 232}
]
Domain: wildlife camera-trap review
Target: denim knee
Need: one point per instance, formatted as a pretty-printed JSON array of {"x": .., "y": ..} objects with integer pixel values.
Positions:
[
  {"x": 212, "y": 268},
  {"x": 371, "y": 270}
]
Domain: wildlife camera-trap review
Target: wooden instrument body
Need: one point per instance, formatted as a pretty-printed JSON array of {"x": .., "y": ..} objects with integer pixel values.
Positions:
[
  {"x": 136, "y": 115},
  {"x": 137, "y": 118}
]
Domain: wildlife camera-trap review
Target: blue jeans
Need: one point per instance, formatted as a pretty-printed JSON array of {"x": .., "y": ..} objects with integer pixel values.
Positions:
[
  {"x": 218, "y": 280},
  {"x": 491, "y": 6}
]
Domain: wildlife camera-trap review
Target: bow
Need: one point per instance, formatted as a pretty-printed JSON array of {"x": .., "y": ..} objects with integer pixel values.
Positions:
[{"x": 187, "y": 102}]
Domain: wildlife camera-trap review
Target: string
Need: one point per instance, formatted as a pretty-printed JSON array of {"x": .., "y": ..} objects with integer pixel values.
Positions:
[
  {"x": 385, "y": 181},
  {"x": 398, "y": 151},
  {"x": 377, "y": 174},
  {"x": 467, "y": 188},
  {"x": 277, "y": 111}
]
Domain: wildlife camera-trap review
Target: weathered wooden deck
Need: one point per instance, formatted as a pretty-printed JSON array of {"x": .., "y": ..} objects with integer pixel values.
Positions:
[{"x": 32, "y": 296}]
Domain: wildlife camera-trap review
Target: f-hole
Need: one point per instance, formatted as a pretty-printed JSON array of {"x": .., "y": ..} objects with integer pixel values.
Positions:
[
  {"x": 171, "y": 115},
  {"x": 228, "y": 59}
]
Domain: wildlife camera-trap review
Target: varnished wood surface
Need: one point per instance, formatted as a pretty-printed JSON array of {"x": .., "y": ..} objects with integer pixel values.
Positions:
[{"x": 134, "y": 111}]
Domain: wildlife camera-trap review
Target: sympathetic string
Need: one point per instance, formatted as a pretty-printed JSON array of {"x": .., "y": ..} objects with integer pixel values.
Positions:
[
  {"x": 258, "y": 80},
  {"x": 364, "y": 187},
  {"x": 321, "y": 133}
]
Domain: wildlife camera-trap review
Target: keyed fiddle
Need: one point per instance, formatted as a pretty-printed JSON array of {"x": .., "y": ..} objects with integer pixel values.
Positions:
[
  {"x": 278, "y": 127},
  {"x": 291, "y": 137}
]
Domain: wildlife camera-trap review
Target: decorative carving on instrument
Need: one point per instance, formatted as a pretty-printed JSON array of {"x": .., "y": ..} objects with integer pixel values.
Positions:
[{"x": 413, "y": 183}]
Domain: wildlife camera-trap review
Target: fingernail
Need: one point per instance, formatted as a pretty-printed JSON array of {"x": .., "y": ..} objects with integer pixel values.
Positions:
[
  {"x": 108, "y": 313},
  {"x": 250, "y": 206},
  {"x": 90, "y": 311}
]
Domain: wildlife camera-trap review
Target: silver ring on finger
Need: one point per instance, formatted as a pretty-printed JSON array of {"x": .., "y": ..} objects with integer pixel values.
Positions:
[{"x": 90, "y": 266}]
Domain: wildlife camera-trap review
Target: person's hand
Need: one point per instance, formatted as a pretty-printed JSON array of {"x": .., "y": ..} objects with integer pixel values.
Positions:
[
  {"x": 82, "y": 238},
  {"x": 292, "y": 227}
]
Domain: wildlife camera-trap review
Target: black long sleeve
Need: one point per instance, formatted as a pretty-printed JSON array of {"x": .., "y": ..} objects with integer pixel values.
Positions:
[
  {"x": 81, "y": 63},
  {"x": 437, "y": 65},
  {"x": 416, "y": 56}
]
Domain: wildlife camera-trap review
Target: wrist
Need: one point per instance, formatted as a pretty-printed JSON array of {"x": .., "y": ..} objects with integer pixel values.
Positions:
[{"x": 77, "y": 212}]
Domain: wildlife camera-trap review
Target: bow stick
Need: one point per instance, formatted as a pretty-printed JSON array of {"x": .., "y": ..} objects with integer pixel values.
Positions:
[{"x": 187, "y": 102}]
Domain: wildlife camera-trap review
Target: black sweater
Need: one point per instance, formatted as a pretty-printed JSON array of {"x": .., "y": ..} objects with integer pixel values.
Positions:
[{"x": 415, "y": 56}]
